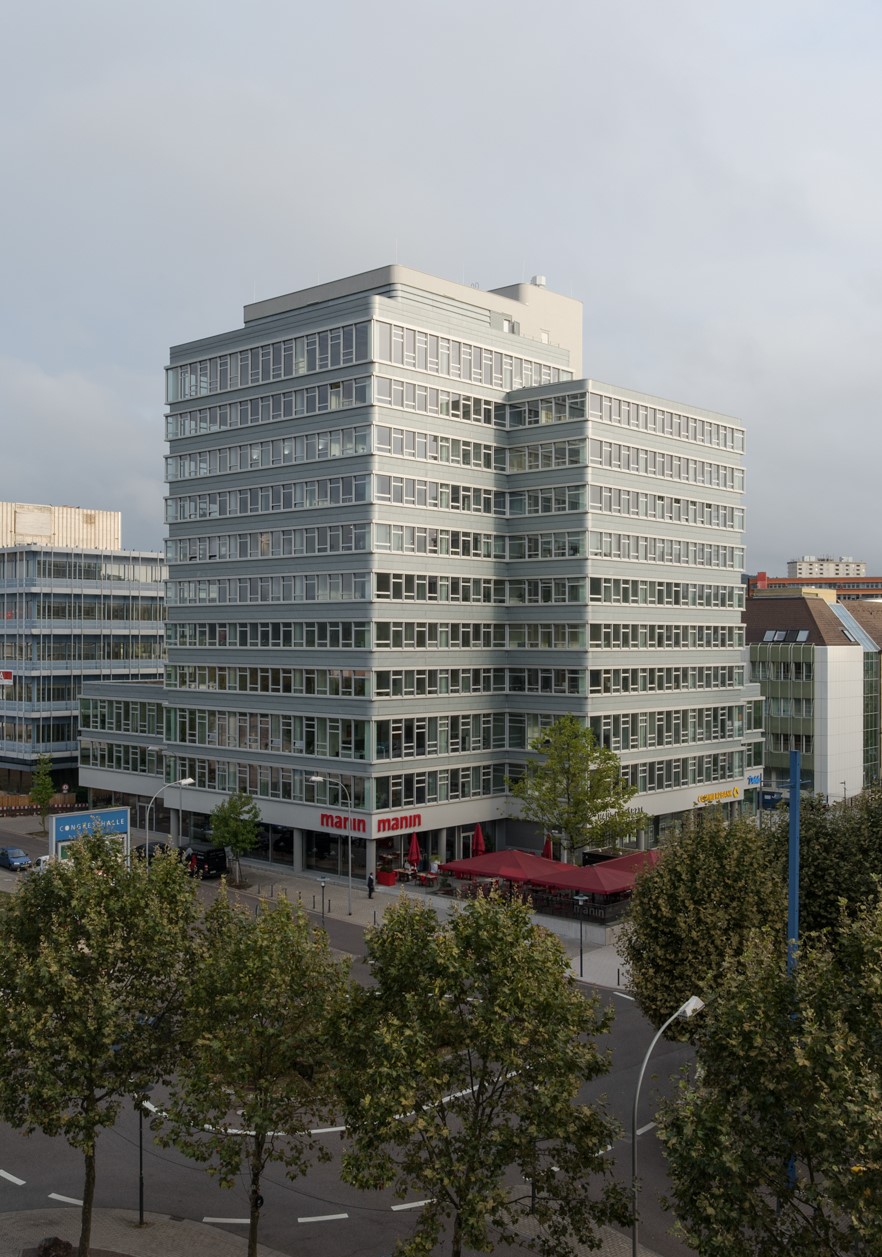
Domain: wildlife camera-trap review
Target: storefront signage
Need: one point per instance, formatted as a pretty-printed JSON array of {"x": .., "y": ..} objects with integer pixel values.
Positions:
[
  {"x": 719, "y": 795},
  {"x": 391, "y": 824},
  {"x": 333, "y": 820},
  {"x": 755, "y": 779}
]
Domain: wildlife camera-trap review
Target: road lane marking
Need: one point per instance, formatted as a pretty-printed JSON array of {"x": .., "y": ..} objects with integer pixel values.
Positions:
[
  {"x": 327, "y": 1130},
  {"x": 325, "y": 1217},
  {"x": 229, "y": 1221},
  {"x": 644, "y": 1129},
  {"x": 411, "y": 1204},
  {"x": 622, "y": 995},
  {"x": 67, "y": 1200},
  {"x": 19, "y": 1182}
]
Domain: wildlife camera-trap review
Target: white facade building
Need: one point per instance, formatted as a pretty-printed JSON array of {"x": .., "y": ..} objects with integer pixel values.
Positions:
[
  {"x": 404, "y": 535},
  {"x": 810, "y": 565}
]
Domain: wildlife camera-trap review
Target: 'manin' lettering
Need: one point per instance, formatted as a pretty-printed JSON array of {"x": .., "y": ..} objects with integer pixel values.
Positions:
[
  {"x": 332, "y": 820},
  {"x": 389, "y": 824}
]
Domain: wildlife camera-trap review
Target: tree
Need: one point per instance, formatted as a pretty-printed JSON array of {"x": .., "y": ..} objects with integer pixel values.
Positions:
[
  {"x": 576, "y": 788},
  {"x": 235, "y": 823},
  {"x": 42, "y": 790},
  {"x": 94, "y": 963},
  {"x": 466, "y": 1059},
  {"x": 777, "y": 1148},
  {"x": 715, "y": 883},
  {"x": 840, "y": 857},
  {"x": 255, "y": 1070}
]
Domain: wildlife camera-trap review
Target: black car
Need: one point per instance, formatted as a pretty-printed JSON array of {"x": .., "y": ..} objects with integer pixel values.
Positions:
[
  {"x": 209, "y": 863},
  {"x": 156, "y": 848}
]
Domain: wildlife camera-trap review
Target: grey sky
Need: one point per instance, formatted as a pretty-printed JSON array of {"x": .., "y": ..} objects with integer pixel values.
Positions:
[{"x": 704, "y": 177}]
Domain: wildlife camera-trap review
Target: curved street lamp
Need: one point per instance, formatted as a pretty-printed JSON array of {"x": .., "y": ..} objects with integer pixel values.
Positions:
[
  {"x": 317, "y": 780},
  {"x": 692, "y": 1006},
  {"x": 184, "y": 781}
]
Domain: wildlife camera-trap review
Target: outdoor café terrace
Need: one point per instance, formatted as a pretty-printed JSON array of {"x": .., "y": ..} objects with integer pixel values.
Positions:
[{"x": 596, "y": 892}]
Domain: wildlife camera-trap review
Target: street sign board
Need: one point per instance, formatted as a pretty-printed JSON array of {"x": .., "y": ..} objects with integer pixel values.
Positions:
[{"x": 111, "y": 821}]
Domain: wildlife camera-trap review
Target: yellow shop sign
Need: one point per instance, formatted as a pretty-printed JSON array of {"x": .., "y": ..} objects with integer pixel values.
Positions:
[{"x": 719, "y": 795}]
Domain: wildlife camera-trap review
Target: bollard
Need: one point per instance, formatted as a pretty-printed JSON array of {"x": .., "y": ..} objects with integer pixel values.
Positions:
[
  {"x": 375, "y": 916},
  {"x": 618, "y": 977},
  {"x": 313, "y": 903}
]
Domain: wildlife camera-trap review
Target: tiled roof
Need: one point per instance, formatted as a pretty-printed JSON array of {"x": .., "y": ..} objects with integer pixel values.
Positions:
[{"x": 795, "y": 616}]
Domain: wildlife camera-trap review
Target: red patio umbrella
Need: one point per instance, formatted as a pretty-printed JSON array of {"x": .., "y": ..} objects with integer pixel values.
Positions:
[
  {"x": 548, "y": 849},
  {"x": 478, "y": 847},
  {"x": 414, "y": 855}
]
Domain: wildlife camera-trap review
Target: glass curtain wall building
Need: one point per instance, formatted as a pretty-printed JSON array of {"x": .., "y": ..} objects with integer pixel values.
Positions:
[
  {"x": 405, "y": 534},
  {"x": 67, "y": 616}
]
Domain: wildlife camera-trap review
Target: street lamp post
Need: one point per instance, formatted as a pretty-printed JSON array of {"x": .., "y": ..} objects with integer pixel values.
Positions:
[
  {"x": 580, "y": 901},
  {"x": 184, "y": 781},
  {"x": 317, "y": 780},
  {"x": 692, "y": 1006},
  {"x": 844, "y": 793},
  {"x": 322, "y": 884}
]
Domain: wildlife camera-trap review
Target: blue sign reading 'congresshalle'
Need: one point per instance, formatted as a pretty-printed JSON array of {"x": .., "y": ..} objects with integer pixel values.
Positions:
[{"x": 110, "y": 821}]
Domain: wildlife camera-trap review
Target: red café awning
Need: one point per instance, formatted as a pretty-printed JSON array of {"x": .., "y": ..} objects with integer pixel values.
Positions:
[{"x": 608, "y": 878}]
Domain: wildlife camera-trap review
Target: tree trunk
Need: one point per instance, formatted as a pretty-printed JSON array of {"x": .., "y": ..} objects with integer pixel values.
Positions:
[
  {"x": 254, "y": 1197},
  {"x": 88, "y": 1198},
  {"x": 456, "y": 1246}
]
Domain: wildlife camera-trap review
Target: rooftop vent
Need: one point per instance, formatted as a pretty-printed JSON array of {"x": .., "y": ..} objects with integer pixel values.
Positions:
[{"x": 538, "y": 281}]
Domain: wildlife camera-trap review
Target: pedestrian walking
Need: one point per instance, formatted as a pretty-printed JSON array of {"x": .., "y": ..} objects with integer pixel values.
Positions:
[{"x": 370, "y": 885}]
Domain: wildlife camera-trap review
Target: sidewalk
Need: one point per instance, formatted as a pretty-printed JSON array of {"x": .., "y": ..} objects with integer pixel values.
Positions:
[{"x": 116, "y": 1233}]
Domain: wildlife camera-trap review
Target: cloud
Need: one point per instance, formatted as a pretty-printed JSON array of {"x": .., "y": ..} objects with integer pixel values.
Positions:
[
  {"x": 702, "y": 176},
  {"x": 76, "y": 441}
]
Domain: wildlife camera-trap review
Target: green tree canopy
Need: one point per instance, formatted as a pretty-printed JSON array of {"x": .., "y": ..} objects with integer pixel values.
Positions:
[
  {"x": 43, "y": 788},
  {"x": 235, "y": 823},
  {"x": 715, "y": 883},
  {"x": 777, "y": 1148},
  {"x": 255, "y": 1068},
  {"x": 840, "y": 857},
  {"x": 576, "y": 788},
  {"x": 94, "y": 965},
  {"x": 466, "y": 1059}
]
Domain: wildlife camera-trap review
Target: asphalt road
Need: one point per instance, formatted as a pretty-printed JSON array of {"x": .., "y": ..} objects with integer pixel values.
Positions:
[{"x": 318, "y": 1215}]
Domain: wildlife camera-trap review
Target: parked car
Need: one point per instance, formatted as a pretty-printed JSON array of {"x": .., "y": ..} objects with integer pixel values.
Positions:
[
  {"x": 210, "y": 863},
  {"x": 156, "y": 848},
  {"x": 14, "y": 858},
  {"x": 42, "y": 863}
]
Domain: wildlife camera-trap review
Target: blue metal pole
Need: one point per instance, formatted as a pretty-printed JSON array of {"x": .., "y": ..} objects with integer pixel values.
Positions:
[{"x": 793, "y": 864}]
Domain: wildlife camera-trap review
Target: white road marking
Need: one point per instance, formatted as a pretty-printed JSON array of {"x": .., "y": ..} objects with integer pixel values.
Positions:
[
  {"x": 327, "y": 1130},
  {"x": 19, "y": 1182},
  {"x": 229, "y": 1221},
  {"x": 622, "y": 995},
  {"x": 67, "y": 1200},
  {"x": 644, "y": 1129},
  {"x": 411, "y": 1204},
  {"x": 325, "y": 1217}
]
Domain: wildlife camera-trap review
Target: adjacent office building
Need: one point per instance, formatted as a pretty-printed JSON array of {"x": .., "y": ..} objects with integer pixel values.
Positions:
[
  {"x": 818, "y": 665},
  {"x": 404, "y": 534},
  {"x": 812, "y": 565},
  {"x": 74, "y": 606}
]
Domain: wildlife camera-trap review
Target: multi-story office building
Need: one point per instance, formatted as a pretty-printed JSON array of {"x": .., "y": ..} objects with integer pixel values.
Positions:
[
  {"x": 74, "y": 606},
  {"x": 818, "y": 665},
  {"x": 404, "y": 534},
  {"x": 811, "y": 565},
  {"x": 844, "y": 588}
]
